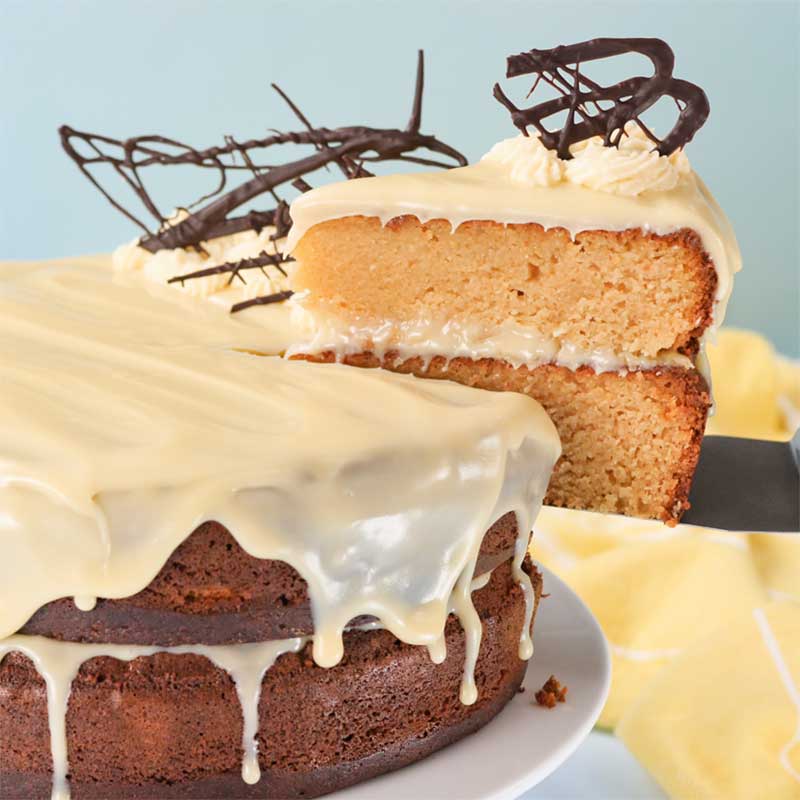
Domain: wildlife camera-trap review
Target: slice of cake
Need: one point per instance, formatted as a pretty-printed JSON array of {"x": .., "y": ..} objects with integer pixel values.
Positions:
[
  {"x": 586, "y": 278},
  {"x": 226, "y": 574}
]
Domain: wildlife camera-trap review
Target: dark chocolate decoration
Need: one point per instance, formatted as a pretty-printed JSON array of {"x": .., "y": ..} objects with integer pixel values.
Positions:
[
  {"x": 264, "y": 300},
  {"x": 235, "y": 268},
  {"x": 349, "y": 148},
  {"x": 581, "y": 97}
]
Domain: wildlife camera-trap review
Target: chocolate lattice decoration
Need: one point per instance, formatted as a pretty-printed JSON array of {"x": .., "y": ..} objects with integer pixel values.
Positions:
[
  {"x": 211, "y": 216},
  {"x": 234, "y": 269},
  {"x": 582, "y": 98}
]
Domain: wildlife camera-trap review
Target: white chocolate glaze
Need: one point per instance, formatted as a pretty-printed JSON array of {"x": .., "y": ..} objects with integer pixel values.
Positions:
[
  {"x": 461, "y": 606},
  {"x": 128, "y": 418},
  {"x": 663, "y": 198}
]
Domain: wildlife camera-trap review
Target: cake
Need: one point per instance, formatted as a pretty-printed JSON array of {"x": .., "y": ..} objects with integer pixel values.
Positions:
[
  {"x": 229, "y": 571},
  {"x": 228, "y": 574},
  {"x": 583, "y": 267}
]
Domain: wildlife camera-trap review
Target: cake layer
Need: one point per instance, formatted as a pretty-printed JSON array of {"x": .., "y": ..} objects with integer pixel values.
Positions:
[
  {"x": 166, "y": 725},
  {"x": 630, "y": 442},
  {"x": 615, "y": 249},
  {"x": 628, "y": 291},
  {"x": 211, "y": 591}
]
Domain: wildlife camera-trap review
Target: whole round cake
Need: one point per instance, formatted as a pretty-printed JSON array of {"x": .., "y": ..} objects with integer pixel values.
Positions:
[{"x": 355, "y": 593}]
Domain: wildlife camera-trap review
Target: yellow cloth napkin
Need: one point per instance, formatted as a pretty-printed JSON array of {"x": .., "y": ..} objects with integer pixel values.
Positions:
[
  {"x": 692, "y": 696},
  {"x": 747, "y": 381},
  {"x": 721, "y": 721}
]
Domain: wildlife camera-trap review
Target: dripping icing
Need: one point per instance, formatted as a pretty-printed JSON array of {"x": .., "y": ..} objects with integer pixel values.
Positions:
[{"x": 58, "y": 662}]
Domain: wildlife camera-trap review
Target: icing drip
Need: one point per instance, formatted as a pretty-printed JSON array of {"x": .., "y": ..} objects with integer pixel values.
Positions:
[
  {"x": 247, "y": 664},
  {"x": 480, "y": 581},
  {"x": 85, "y": 602},
  {"x": 437, "y": 650},
  {"x": 59, "y": 662},
  {"x": 473, "y": 631},
  {"x": 524, "y": 581},
  {"x": 58, "y": 666}
]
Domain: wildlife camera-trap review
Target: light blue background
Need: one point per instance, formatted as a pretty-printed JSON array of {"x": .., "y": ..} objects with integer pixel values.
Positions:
[{"x": 197, "y": 70}]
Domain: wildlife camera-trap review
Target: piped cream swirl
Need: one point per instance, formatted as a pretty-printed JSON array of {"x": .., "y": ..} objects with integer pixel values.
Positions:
[
  {"x": 528, "y": 161},
  {"x": 632, "y": 168}
]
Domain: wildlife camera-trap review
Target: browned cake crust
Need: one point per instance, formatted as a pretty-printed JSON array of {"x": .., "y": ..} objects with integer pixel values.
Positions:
[
  {"x": 630, "y": 441},
  {"x": 169, "y": 726},
  {"x": 627, "y": 291},
  {"x": 212, "y": 591}
]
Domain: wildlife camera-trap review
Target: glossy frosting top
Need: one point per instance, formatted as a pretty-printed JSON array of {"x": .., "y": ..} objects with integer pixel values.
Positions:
[{"x": 130, "y": 413}]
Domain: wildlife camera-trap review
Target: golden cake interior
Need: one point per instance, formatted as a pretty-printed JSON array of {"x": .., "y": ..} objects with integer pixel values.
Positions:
[{"x": 595, "y": 291}]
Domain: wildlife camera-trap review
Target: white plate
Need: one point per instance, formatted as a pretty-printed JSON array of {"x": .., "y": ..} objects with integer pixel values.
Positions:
[{"x": 525, "y": 742}]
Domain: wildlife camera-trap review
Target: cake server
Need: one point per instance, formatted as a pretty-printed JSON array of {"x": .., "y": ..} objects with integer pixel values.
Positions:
[{"x": 747, "y": 485}]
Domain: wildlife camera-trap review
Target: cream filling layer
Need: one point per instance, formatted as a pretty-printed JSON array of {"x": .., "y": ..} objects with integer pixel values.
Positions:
[{"x": 515, "y": 344}]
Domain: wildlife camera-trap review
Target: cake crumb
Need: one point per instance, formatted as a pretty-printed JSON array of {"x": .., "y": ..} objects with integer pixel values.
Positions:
[
  {"x": 551, "y": 693},
  {"x": 520, "y": 690}
]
